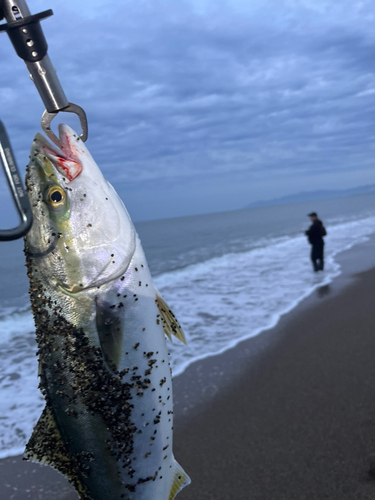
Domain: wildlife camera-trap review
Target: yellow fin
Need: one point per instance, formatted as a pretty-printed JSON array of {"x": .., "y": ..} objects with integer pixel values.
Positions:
[
  {"x": 180, "y": 480},
  {"x": 47, "y": 447},
  {"x": 170, "y": 324}
]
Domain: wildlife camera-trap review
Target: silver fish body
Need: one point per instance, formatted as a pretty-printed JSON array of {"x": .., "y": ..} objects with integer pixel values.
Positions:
[{"x": 101, "y": 326}]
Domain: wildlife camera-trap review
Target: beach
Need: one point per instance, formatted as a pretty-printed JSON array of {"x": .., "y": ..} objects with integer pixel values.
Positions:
[
  {"x": 299, "y": 422},
  {"x": 289, "y": 414}
]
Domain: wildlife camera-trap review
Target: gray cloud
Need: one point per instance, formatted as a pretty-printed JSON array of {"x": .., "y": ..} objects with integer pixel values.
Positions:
[{"x": 208, "y": 106}]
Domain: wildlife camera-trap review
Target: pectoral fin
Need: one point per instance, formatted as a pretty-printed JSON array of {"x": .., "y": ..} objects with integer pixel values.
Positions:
[
  {"x": 110, "y": 332},
  {"x": 170, "y": 324},
  {"x": 179, "y": 481},
  {"x": 47, "y": 447}
]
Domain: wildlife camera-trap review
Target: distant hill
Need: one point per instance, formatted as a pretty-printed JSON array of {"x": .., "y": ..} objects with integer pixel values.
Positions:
[{"x": 313, "y": 195}]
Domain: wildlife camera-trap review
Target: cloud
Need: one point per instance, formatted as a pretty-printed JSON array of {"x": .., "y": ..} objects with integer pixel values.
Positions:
[{"x": 242, "y": 98}]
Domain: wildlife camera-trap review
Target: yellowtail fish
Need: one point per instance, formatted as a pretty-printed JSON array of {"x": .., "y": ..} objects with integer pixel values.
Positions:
[{"x": 101, "y": 329}]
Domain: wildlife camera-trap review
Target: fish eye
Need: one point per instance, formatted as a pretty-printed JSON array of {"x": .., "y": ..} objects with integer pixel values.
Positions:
[{"x": 56, "y": 196}]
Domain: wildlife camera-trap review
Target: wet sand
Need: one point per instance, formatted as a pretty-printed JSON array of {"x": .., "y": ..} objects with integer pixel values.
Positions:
[
  {"x": 298, "y": 422},
  {"x": 289, "y": 414}
]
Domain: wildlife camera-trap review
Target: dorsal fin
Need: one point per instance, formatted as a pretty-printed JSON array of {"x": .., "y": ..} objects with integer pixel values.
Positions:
[
  {"x": 110, "y": 332},
  {"x": 179, "y": 480},
  {"x": 46, "y": 447},
  {"x": 170, "y": 324}
]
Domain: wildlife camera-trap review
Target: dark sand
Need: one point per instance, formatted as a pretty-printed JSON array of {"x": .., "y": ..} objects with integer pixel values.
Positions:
[{"x": 289, "y": 414}]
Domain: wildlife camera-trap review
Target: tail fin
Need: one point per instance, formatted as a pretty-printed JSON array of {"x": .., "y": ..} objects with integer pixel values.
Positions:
[{"x": 179, "y": 480}]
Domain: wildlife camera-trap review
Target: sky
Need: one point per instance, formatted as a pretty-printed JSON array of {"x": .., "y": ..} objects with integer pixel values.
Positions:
[{"x": 203, "y": 106}]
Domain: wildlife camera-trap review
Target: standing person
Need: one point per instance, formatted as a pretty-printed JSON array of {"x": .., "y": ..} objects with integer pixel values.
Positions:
[{"x": 315, "y": 235}]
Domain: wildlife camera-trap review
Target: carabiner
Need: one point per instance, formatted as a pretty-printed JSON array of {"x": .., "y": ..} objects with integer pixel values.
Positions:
[{"x": 20, "y": 197}]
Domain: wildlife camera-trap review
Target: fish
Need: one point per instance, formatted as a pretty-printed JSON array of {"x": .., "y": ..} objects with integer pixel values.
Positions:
[{"x": 101, "y": 330}]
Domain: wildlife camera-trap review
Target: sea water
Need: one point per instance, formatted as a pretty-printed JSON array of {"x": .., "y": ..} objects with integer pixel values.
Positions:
[{"x": 227, "y": 277}]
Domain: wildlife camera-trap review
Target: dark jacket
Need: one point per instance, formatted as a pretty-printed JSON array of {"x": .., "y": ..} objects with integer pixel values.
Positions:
[{"x": 316, "y": 232}]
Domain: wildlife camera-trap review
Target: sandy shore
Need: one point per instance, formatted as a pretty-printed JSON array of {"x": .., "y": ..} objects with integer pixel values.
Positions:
[
  {"x": 298, "y": 422},
  {"x": 288, "y": 415}
]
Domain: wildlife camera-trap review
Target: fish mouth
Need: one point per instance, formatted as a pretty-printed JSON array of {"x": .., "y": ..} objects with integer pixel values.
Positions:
[{"x": 65, "y": 160}]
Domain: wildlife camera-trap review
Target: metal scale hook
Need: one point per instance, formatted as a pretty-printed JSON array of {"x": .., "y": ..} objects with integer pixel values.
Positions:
[{"x": 26, "y": 35}]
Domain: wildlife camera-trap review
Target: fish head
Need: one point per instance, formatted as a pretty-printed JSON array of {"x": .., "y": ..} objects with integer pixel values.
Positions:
[{"x": 82, "y": 236}]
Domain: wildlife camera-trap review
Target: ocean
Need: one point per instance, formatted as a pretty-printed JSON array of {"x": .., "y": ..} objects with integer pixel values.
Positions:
[{"x": 227, "y": 276}]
